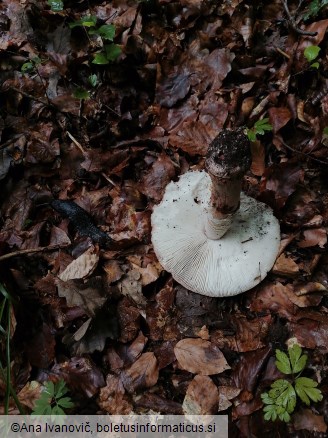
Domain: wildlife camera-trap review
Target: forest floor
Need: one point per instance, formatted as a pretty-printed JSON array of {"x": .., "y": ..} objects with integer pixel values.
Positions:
[{"x": 105, "y": 103}]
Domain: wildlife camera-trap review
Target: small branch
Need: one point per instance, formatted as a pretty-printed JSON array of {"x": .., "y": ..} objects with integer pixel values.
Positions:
[
  {"x": 292, "y": 22},
  {"x": 31, "y": 251},
  {"x": 303, "y": 153}
]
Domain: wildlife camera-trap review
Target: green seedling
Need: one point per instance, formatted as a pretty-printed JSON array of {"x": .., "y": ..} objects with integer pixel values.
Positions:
[
  {"x": 56, "y": 5},
  {"x": 314, "y": 8},
  {"x": 259, "y": 128},
  {"x": 311, "y": 53},
  {"x": 31, "y": 65},
  {"x": 52, "y": 400},
  {"x": 106, "y": 32},
  {"x": 280, "y": 400}
]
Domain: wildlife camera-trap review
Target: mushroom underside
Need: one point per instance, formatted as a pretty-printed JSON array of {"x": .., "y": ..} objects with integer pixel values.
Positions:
[{"x": 228, "y": 266}]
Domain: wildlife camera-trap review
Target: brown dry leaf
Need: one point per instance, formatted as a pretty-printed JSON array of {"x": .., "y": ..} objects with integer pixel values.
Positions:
[
  {"x": 142, "y": 374},
  {"x": 131, "y": 287},
  {"x": 59, "y": 237},
  {"x": 200, "y": 357},
  {"x": 155, "y": 180},
  {"x": 202, "y": 397},
  {"x": 227, "y": 393},
  {"x": 192, "y": 137},
  {"x": 148, "y": 274},
  {"x": 129, "y": 320},
  {"x": 113, "y": 271},
  {"x": 285, "y": 266},
  {"x": 258, "y": 158},
  {"x": 306, "y": 419},
  {"x": 30, "y": 393},
  {"x": 309, "y": 288},
  {"x": 279, "y": 117},
  {"x": 317, "y": 236},
  {"x": 112, "y": 398},
  {"x": 40, "y": 349},
  {"x": 248, "y": 334},
  {"x": 83, "y": 295},
  {"x": 157, "y": 403},
  {"x": 81, "y": 375},
  {"x": 310, "y": 333},
  {"x": 82, "y": 266}
]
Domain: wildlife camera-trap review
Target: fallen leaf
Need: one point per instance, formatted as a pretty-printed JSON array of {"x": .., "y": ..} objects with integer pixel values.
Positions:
[
  {"x": 317, "y": 236},
  {"x": 82, "y": 266},
  {"x": 112, "y": 398},
  {"x": 279, "y": 117},
  {"x": 200, "y": 357},
  {"x": 160, "y": 404},
  {"x": 142, "y": 374},
  {"x": 285, "y": 266},
  {"x": 306, "y": 419},
  {"x": 202, "y": 397},
  {"x": 85, "y": 295},
  {"x": 227, "y": 393},
  {"x": 30, "y": 393}
]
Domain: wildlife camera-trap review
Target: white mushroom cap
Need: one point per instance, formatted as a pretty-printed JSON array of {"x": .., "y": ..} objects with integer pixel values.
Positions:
[{"x": 217, "y": 268}]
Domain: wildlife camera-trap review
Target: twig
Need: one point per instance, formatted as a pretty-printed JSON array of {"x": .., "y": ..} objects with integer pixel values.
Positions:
[
  {"x": 303, "y": 153},
  {"x": 31, "y": 251},
  {"x": 30, "y": 96},
  {"x": 292, "y": 22}
]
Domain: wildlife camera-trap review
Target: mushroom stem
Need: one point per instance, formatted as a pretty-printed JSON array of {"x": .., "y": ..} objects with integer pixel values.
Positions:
[{"x": 227, "y": 161}]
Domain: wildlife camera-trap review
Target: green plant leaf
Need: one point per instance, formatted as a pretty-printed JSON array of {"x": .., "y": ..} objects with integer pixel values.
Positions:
[
  {"x": 282, "y": 362},
  {"x": 306, "y": 390},
  {"x": 270, "y": 413},
  {"x": 262, "y": 125},
  {"x": 57, "y": 410},
  {"x": 56, "y": 5},
  {"x": 112, "y": 51},
  {"x": 27, "y": 67},
  {"x": 65, "y": 402},
  {"x": 60, "y": 388},
  {"x": 93, "y": 80},
  {"x": 251, "y": 135},
  {"x": 49, "y": 389},
  {"x": 297, "y": 360},
  {"x": 325, "y": 130},
  {"x": 100, "y": 58},
  {"x": 315, "y": 65},
  {"x": 89, "y": 21},
  {"x": 311, "y": 52},
  {"x": 107, "y": 32},
  {"x": 81, "y": 93}
]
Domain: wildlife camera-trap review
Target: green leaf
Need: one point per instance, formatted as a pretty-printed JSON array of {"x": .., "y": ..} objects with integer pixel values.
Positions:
[
  {"x": 262, "y": 125},
  {"x": 306, "y": 390},
  {"x": 49, "y": 388},
  {"x": 270, "y": 413},
  {"x": 112, "y": 51},
  {"x": 282, "y": 362},
  {"x": 267, "y": 399},
  {"x": 100, "y": 59},
  {"x": 60, "y": 388},
  {"x": 297, "y": 360},
  {"x": 107, "y": 32},
  {"x": 325, "y": 130},
  {"x": 315, "y": 65},
  {"x": 27, "y": 67},
  {"x": 311, "y": 52},
  {"x": 65, "y": 402},
  {"x": 251, "y": 135},
  {"x": 89, "y": 21},
  {"x": 57, "y": 410},
  {"x": 56, "y": 5},
  {"x": 81, "y": 93},
  {"x": 93, "y": 80}
]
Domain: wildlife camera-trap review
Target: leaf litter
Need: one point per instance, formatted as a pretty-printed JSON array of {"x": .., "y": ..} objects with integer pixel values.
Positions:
[{"x": 101, "y": 313}]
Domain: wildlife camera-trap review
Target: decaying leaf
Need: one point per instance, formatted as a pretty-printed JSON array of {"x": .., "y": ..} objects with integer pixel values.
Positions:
[
  {"x": 82, "y": 266},
  {"x": 112, "y": 398},
  {"x": 202, "y": 397},
  {"x": 200, "y": 357},
  {"x": 142, "y": 374}
]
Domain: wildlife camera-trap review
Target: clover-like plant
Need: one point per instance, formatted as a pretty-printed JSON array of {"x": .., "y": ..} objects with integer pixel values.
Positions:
[
  {"x": 281, "y": 400},
  {"x": 259, "y": 128}
]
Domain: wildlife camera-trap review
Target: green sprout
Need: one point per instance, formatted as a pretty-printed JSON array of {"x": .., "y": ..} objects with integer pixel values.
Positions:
[
  {"x": 56, "y": 5},
  {"x": 311, "y": 53},
  {"x": 259, "y": 128},
  {"x": 106, "y": 32},
  {"x": 51, "y": 400},
  {"x": 280, "y": 400}
]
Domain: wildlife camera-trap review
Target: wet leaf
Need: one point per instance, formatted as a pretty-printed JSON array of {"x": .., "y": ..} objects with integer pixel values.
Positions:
[
  {"x": 142, "y": 374},
  {"x": 201, "y": 398}
]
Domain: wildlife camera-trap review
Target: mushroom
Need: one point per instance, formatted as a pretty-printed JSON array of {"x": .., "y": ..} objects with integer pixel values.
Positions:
[{"x": 214, "y": 239}]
